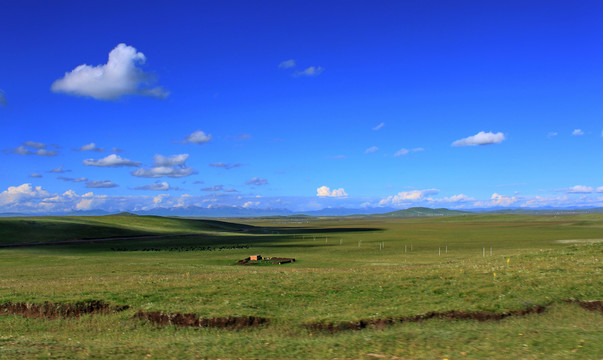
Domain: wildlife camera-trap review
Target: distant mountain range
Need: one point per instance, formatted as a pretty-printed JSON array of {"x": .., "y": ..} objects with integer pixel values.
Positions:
[{"x": 237, "y": 211}]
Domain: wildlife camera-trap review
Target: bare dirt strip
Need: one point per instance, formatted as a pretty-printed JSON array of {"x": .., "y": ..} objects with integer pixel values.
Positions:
[
  {"x": 191, "y": 320},
  {"x": 48, "y": 310}
]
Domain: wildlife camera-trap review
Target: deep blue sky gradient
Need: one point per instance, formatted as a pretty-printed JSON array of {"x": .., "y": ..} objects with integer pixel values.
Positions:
[{"x": 432, "y": 71}]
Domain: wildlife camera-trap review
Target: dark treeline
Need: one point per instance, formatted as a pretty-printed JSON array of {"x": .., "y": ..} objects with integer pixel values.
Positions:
[{"x": 186, "y": 248}]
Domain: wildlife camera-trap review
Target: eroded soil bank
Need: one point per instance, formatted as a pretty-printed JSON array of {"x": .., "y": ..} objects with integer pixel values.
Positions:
[
  {"x": 191, "y": 320},
  {"x": 49, "y": 310}
]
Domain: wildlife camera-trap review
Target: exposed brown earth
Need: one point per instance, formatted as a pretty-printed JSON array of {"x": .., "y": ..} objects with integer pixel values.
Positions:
[
  {"x": 191, "y": 320},
  {"x": 48, "y": 310},
  {"x": 448, "y": 315},
  {"x": 595, "y": 305}
]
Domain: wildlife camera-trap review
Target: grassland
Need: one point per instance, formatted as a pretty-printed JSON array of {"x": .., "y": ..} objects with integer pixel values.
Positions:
[{"x": 347, "y": 269}]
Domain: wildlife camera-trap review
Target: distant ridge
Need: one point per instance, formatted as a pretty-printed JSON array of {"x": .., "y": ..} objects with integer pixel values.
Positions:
[
  {"x": 422, "y": 211},
  {"x": 123, "y": 213}
]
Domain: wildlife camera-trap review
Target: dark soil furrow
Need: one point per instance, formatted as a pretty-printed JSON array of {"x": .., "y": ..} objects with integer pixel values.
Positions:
[
  {"x": 191, "y": 320},
  {"x": 48, "y": 310},
  {"x": 448, "y": 315}
]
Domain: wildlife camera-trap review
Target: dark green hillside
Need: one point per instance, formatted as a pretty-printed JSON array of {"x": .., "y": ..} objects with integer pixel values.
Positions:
[{"x": 50, "y": 229}]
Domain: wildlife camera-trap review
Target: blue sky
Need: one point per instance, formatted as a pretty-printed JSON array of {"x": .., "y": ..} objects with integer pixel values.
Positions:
[{"x": 301, "y": 105}]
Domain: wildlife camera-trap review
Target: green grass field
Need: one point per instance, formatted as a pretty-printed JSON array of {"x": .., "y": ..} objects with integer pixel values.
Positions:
[{"x": 347, "y": 269}]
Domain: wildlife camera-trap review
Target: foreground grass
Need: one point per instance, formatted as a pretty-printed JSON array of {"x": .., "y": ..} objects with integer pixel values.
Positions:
[{"x": 339, "y": 276}]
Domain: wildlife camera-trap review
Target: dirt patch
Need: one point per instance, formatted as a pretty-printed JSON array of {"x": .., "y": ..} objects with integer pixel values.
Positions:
[
  {"x": 595, "y": 305},
  {"x": 48, "y": 310},
  {"x": 448, "y": 315},
  {"x": 578, "y": 241},
  {"x": 191, "y": 320}
]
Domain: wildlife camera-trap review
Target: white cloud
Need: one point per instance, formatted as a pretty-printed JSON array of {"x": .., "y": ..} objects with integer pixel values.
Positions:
[
  {"x": 82, "y": 179},
  {"x": 552, "y": 134},
  {"x": 164, "y": 171},
  {"x": 372, "y": 149},
  {"x": 173, "y": 160},
  {"x": 256, "y": 181},
  {"x": 580, "y": 189},
  {"x": 336, "y": 157},
  {"x": 33, "y": 148},
  {"x": 310, "y": 71},
  {"x": 577, "y": 132},
  {"x": 287, "y": 64},
  {"x": 406, "y": 197},
  {"x": 157, "y": 186},
  {"x": 250, "y": 204},
  {"x": 214, "y": 188},
  {"x": 325, "y": 191},
  {"x": 379, "y": 126},
  {"x": 112, "y": 160},
  {"x": 35, "y": 145},
  {"x": 118, "y": 77},
  {"x": 401, "y": 152},
  {"x": 225, "y": 166},
  {"x": 481, "y": 138},
  {"x": 166, "y": 166},
  {"x": 600, "y": 189},
  {"x": 59, "y": 170},
  {"x": 101, "y": 184},
  {"x": 90, "y": 147},
  {"x": 498, "y": 200},
  {"x": 22, "y": 193},
  {"x": 197, "y": 137},
  {"x": 35, "y": 175}
]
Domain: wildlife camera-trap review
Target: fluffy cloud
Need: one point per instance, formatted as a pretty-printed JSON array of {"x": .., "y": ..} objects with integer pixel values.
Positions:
[
  {"x": 164, "y": 171},
  {"x": 35, "y": 175},
  {"x": 372, "y": 149},
  {"x": 325, "y": 191},
  {"x": 197, "y": 137},
  {"x": 406, "y": 197},
  {"x": 225, "y": 166},
  {"x": 481, "y": 138},
  {"x": 33, "y": 148},
  {"x": 580, "y": 189},
  {"x": 166, "y": 166},
  {"x": 118, "y": 77},
  {"x": 174, "y": 160},
  {"x": 310, "y": 71},
  {"x": 111, "y": 161},
  {"x": 600, "y": 189},
  {"x": 157, "y": 186},
  {"x": 90, "y": 147},
  {"x": 214, "y": 188},
  {"x": 287, "y": 64},
  {"x": 251, "y": 204},
  {"x": 59, "y": 170},
  {"x": 101, "y": 184},
  {"x": 82, "y": 179},
  {"x": 256, "y": 181},
  {"x": 498, "y": 200},
  {"x": 577, "y": 132},
  {"x": 379, "y": 126},
  {"x": 22, "y": 194},
  {"x": 552, "y": 134}
]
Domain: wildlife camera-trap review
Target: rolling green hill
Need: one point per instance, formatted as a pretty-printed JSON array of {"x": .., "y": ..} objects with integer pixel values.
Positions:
[{"x": 64, "y": 228}]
